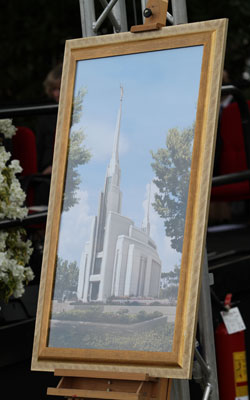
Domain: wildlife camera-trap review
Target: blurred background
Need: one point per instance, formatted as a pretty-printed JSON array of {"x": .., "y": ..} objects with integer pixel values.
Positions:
[{"x": 33, "y": 35}]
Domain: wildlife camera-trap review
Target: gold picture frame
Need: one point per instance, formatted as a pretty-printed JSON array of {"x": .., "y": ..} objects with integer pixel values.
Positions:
[{"x": 142, "y": 65}]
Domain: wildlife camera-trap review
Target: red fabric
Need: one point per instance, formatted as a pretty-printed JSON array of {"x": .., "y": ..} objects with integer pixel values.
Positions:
[
  {"x": 24, "y": 150},
  {"x": 233, "y": 192},
  {"x": 232, "y": 157}
]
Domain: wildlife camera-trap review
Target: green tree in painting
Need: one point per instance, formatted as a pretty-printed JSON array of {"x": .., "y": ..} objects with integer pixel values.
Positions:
[
  {"x": 78, "y": 154},
  {"x": 66, "y": 278},
  {"x": 77, "y": 106},
  {"x": 172, "y": 171},
  {"x": 170, "y": 290}
]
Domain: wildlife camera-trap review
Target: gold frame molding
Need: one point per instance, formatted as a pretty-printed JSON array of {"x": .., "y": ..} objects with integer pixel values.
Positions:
[{"x": 178, "y": 363}]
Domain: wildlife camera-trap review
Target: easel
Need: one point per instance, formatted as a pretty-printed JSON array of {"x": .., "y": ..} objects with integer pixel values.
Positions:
[
  {"x": 112, "y": 385},
  {"x": 155, "y": 16}
]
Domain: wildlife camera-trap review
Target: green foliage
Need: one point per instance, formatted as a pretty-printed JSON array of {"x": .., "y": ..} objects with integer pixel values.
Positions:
[
  {"x": 17, "y": 245},
  {"x": 159, "y": 338},
  {"x": 78, "y": 154},
  {"x": 77, "y": 106},
  {"x": 7, "y": 290},
  {"x": 170, "y": 293},
  {"x": 172, "y": 170},
  {"x": 172, "y": 278},
  {"x": 66, "y": 277},
  {"x": 95, "y": 314}
]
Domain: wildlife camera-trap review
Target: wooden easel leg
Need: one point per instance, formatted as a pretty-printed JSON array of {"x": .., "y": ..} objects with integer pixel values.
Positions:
[
  {"x": 163, "y": 387},
  {"x": 169, "y": 389},
  {"x": 161, "y": 390}
]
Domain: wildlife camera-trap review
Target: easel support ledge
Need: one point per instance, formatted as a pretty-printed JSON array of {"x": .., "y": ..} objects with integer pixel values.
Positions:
[{"x": 110, "y": 385}]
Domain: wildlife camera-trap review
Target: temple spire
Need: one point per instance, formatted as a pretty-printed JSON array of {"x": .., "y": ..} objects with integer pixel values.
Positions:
[
  {"x": 112, "y": 192},
  {"x": 114, "y": 162}
]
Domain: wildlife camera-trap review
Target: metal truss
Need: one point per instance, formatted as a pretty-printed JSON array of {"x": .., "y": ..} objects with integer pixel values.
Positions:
[{"x": 115, "y": 11}]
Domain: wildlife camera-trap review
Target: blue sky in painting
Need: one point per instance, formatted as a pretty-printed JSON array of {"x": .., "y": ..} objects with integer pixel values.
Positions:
[{"x": 160, "y": 92}]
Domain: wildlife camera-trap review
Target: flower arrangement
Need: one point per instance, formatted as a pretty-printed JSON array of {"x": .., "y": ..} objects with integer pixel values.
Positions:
[{"x": 15, "y": 250}]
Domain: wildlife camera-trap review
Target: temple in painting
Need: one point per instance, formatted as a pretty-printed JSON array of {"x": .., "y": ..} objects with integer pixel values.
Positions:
[{"x": 119, "y": 260}]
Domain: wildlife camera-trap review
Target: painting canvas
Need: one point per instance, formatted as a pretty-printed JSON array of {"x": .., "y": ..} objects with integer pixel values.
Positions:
[
  {"x": 118, "y": 237},
  {"x": 118, "y": 281}
]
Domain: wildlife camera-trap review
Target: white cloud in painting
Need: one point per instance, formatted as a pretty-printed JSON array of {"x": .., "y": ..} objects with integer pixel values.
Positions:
[
  {"x": 75, "y": 229},
  {"x": 99, "y": 138},
  {"x": 169, "y": 256}
]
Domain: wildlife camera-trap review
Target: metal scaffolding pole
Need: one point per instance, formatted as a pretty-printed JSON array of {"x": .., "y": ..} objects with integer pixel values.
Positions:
[
  {"x": 206, "y": 333},
  {"x": 111, "y": 16},
  {"x": 180, "y": 390},
  {"x": 104, "y": 14},
  {"x": 115, "y": 10},
  {"x": 87, "y": 11},
  {"x": 120, "y": 14},
  {"x": 179, "y": 10}
]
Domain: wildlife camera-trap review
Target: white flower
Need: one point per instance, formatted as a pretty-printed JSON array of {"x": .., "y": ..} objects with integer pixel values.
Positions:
[
  {"x": 19, "y": 290},
  {"x": 17, "y": 195},
  {"x": 7, "y": 128},
  {"x": 29, "y": 249},
  {"x": 17, "y": 271},
  {"x": 2, "y": 262},
  {"x": 15, "y": 166},
  {"x": 24, "y": 246},
  {"x": 2, "y": 213},
  {"x": 29, "y": 274},
  {"x": 3, "y": 237},
  {"x": 4, "y": 157},
  {"x": 13, "y": 275},
  {"x": 13, "y": 208}
]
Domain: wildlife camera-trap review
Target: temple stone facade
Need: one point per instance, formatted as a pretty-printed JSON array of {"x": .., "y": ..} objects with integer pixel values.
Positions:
[{"x": 119, "y": 260}]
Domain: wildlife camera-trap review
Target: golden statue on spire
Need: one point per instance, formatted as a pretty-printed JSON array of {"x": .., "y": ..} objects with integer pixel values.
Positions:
[{"x": 121, "y": 87}]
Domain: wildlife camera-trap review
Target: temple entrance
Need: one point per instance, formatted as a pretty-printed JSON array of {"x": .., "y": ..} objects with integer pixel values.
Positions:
[{"x": 94, "y": 290}]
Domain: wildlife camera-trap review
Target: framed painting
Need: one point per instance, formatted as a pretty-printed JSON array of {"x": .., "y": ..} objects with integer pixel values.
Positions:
[{"x": 129, "y": 199}]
